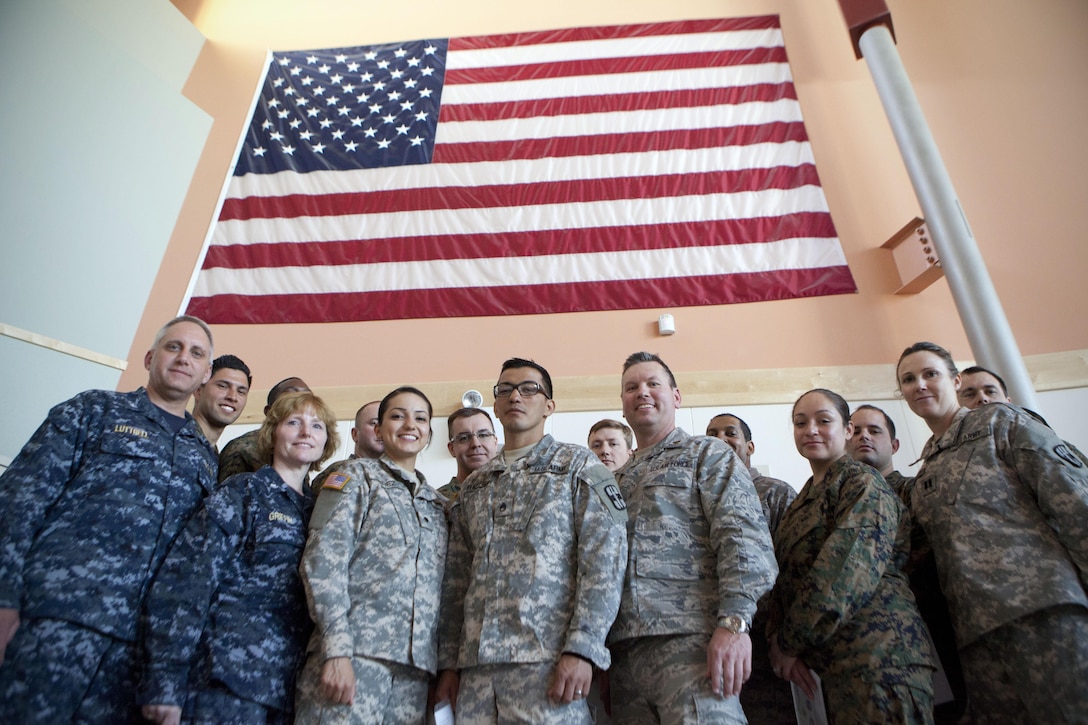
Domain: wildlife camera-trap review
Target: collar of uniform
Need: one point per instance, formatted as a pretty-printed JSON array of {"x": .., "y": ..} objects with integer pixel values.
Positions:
[
  {"x": 416, "y": 483},
  {"x": 949, "y": 438},
  {"x": 139, "y": 400},
  {"x": 675, "y": 439}
]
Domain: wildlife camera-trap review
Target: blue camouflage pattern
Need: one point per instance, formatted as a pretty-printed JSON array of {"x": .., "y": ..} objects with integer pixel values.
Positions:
[
  {"x": 92, "y": 503},
  {"x": 228, "y": 608},
  {"x": 88, "y": 510}
]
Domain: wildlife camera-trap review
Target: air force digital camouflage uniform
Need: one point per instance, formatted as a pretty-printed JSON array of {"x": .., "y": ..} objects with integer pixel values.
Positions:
[
  {"x": 699, "y": 550},
  {"x": 227, "y": 619},
  {"x": 1004, "y": 504},
  {"x": 842, "y": 603},
  {"x": 766, "y": 698},
  {"x": 535, "y": 571},
  {"x": 373, "y": 573},
  {"x": 240, "y": 456},
  {"x": 88, "y": 510}
]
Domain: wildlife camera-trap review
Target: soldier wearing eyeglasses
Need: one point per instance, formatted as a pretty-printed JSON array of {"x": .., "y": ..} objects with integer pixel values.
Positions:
[
  {"x": 534, "y": 571},
  {"x": 472, "y": 442}
]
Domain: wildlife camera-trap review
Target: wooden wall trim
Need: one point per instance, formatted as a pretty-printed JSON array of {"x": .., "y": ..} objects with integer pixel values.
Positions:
[{"x": 1051, "y": 371}]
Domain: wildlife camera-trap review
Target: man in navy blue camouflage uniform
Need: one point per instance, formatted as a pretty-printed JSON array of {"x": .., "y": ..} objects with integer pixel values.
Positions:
[{"x": 88, "y": 510}]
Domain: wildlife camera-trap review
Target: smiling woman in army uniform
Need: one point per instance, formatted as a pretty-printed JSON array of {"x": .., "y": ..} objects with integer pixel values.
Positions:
[
  {"x": 373, "y": 573},
  {"x": 227, "y": 613},
  {"x": 1004, "y": 504}
]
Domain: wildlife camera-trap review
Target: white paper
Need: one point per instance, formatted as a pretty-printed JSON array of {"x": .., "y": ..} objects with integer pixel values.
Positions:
[
  {"x": 809, "y": 712},
  {"x": 443, "y": 713}
]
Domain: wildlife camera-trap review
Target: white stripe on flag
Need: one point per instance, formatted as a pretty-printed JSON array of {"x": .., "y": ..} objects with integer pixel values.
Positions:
[{"x": 802, "y": 253}]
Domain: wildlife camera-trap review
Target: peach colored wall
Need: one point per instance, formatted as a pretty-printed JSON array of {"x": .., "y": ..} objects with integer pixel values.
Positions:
[{"x": 1001, "y": 81}]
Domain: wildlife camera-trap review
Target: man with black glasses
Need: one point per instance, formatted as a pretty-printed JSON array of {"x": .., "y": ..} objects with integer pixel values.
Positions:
[
  {"x": 534, "y": 571},
  {"x": 472, "y": 442}
]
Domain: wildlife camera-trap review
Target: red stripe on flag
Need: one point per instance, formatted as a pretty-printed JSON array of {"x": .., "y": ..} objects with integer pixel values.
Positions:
[
  {"x": 522, "y": 244},
  {"x": 569, "y": 106},
  {"x": 615, "y": 66},
  {"x": 519, "y": 195},
  {"x": 606, "y": 32},
  {"x": 523, "y": 300},
  {"x": 618, "y": 143}
]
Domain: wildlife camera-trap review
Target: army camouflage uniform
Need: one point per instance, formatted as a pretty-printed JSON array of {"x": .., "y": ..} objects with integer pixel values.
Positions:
[
  {"x": 227, "y": 619},
  {"x": 699, "y": 550},
  {"x": 88, "y": 510},
  {"x": 373, "y": 574},
  {"x": 240, "y": 456},
  {"x": 843, "y": 604},
  {"x": 535, "y": 570},
  {"x": 334, "y": 467},
  {"x": 766, "y": 698},
  {"x": 1004, "y": 502}
]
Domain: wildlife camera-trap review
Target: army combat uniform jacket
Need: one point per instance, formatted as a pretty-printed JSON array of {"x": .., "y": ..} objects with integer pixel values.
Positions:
[
  {"x": 699, "y": 544},
  {"x": 228, "y": 605},
  {"x": 91, "y": 505},
  {"x": 1004, "y": 504},
  {"x": 373, "y": 565},
  {"x": 842, "y": 602},
  {"x": 536, "y": 560}
]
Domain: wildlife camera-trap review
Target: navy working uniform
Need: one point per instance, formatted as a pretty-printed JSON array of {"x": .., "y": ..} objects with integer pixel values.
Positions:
[
  {"x": 88, "y": 510},
  {"x": 227, "y": 618}
]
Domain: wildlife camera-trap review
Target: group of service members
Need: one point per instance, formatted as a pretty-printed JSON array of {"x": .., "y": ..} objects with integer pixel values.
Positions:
[{"x": 144, "y": 577}]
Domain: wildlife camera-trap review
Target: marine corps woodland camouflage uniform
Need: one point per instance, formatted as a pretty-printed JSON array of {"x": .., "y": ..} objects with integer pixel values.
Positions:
[
  {"x": 373, "y": 574},
  {"x": 535, "y": 570},
  {"x": 1004, "y": 503},
  {"x": 240, "y": 456},
  {"x": 88, "y": 510},
  {"x": 843, "y": 604},
  {"x": 699, "y": 550}
]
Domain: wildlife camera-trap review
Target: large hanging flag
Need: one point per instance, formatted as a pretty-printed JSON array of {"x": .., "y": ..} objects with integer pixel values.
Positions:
[{"x": 620, "y": 167}]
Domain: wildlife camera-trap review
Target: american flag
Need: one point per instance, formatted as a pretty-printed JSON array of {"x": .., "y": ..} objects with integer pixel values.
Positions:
[{"x": 621, "y": 167}]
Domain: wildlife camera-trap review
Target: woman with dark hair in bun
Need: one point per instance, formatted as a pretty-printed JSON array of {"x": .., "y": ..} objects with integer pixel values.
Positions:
[
  {"x": 1004, "y": 505},
  {"x": 373, "y": 572},
  {"x": 842, "y": 605}
]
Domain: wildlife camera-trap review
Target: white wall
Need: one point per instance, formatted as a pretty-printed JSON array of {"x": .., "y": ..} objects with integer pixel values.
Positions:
[
  {"x": 98, "y": 145},
  {"x": 771, "y": 430}
]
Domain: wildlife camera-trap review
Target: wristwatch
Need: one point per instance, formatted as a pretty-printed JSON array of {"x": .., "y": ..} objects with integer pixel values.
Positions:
[{"x": 734, "y": 623}]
